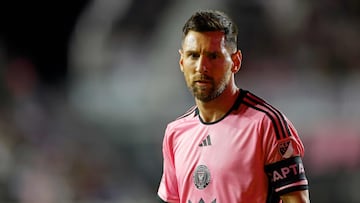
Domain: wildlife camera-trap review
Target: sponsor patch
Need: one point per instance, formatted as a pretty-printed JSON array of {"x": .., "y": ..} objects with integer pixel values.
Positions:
[
  {"x": 201, "y": 177},
  {"x": 286, "y": 149}
]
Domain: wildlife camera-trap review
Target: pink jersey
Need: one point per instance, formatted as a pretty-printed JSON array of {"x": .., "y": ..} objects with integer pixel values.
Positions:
[{"x": 252, "y": 155}]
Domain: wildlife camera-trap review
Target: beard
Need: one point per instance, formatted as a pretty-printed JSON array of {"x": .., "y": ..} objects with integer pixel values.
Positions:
[{"x": 207, "y": 92}]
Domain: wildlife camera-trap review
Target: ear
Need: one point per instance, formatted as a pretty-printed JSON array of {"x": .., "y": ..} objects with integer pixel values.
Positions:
[
  {"x": 181, "y": 60},
  {"x": 236, "y": 58}
]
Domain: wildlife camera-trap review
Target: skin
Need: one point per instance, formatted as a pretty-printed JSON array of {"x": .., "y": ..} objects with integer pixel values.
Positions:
[
  {"x": 301, "y": 196},
  {"x": 209, "y": 69}
]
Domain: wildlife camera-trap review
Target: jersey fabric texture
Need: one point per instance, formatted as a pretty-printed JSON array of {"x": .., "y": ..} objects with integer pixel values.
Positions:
[{"x": 252, "y": 154}]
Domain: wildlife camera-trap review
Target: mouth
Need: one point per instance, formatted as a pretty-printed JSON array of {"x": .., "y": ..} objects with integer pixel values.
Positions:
[
  {"x": 203, "y": 83},
  {"x": 203, "y": 79}
]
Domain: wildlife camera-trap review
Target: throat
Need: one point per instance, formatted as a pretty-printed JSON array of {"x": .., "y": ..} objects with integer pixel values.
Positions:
[
  {"x": 208, "y": 117},
  {"x": 216, "y": 109}
]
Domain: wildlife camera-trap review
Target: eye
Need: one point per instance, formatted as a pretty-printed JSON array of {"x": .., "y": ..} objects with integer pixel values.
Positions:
[
  {"x": 193, "y": 55},
  {"x": 213, "y": 55}
]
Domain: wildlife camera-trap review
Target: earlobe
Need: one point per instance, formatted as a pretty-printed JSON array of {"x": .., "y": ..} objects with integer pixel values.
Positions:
[{"x": 181, "y": 65}]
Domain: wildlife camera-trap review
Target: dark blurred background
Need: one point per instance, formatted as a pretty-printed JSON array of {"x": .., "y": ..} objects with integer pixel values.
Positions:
[{"x": 87, "y": 88}]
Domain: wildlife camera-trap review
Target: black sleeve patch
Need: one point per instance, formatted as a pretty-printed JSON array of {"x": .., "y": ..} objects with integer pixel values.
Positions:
[{"x": 285, "y": 172}]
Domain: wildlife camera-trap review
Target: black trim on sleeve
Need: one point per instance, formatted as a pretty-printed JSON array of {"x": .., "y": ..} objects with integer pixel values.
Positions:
[
  {"x": 293, "y": 189},
  {"x": 277, "y": 133},
  {"x": 283, "y": 127}
]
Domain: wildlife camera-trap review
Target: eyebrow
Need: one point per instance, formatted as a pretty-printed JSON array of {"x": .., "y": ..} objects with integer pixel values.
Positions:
[{"x": 206, "y": 52}]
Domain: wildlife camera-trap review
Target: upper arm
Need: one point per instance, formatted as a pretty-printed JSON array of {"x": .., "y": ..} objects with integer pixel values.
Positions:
[
  {"x": 296, "y": 197},
  {"x": 283, "y": 163}
]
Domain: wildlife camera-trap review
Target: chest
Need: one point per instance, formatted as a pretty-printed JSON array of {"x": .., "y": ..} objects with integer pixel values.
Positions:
[{"x": 226, "y": 150}]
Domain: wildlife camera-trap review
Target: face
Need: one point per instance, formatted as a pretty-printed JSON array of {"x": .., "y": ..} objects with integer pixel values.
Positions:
[{"x": 207, "y": 64}]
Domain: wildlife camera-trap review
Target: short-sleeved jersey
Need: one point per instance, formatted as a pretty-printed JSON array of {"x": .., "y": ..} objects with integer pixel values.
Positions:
[{"x": 252, "y": 154}]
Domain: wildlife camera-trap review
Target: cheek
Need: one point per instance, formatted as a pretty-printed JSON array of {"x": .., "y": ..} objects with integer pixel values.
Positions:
[
  {"x": 222, "y": 68},
  {"x": 187, "y": 68},
  {"x": 187, "y": 63},
  {"x": 188, "y": 74},
  {"x": 223, "y": 74},
  {"x": 188, "y": 80}
]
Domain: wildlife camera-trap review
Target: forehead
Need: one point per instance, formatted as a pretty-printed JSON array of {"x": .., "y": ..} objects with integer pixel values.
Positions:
[{"x": 204, "y": 40}]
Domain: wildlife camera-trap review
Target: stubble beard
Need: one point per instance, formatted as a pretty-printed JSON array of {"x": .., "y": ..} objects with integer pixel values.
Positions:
[{"x": 207, "y": 94}]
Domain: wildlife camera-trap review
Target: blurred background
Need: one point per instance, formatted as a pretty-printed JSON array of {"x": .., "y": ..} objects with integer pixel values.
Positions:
[{"x": 88, "y": 86}]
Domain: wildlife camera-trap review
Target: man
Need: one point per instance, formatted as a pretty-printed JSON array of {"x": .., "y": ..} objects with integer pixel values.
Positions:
[{"x": 232, "y": 146}]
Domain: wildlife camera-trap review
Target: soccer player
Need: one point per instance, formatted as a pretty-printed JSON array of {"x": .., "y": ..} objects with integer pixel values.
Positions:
[{"x": 232, "y": 146}]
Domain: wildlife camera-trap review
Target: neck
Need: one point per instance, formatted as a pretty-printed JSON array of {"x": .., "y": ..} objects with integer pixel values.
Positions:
[{"x": 217, "y": 108}]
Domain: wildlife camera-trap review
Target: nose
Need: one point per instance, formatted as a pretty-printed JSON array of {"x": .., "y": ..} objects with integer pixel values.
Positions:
[{"x": 201, "y": 65}]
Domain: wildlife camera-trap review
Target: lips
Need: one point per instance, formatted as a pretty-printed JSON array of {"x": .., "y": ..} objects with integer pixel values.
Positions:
[
  {"x": 203, "y": 79},
  {"x": 203, "y": 83}
]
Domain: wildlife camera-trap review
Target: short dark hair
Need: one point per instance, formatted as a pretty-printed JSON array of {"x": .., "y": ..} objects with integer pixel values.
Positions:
[{"x": 213, "y": 20}]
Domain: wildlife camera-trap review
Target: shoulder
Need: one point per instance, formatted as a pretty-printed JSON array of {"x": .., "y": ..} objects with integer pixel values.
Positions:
[
  {"x": 257, "y": 103},
  {"x": 260, "y": 106},
  {"x": 190, "y": 113},
  {"x": 176, "y": 129},
  {"x": 256, "y": 108},
  {"x": 270, "y": 116},
  {"x": 183, "y": 120}
]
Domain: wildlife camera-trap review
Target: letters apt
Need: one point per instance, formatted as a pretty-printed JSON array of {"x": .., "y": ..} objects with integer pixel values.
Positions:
[{"x": 291, "y": 170}]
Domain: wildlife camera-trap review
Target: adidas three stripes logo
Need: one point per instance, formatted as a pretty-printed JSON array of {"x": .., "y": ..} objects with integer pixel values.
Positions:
[{"x": 205, "y": 142}]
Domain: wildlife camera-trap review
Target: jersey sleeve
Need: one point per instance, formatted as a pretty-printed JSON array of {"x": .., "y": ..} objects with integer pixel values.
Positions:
[
  {"x": 168, "y": 190},
  {"x": 283, "y": 156}
]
